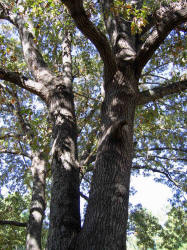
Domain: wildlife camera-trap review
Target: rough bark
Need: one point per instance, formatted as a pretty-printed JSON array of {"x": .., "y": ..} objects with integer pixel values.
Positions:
[
  {"x": 100, "y": 41},
  {"x": 159, "y": 92},
  {"x": 165, "y": 20},
  {"x": 58, "y": 95},
  {"x": 37, "y": 208},
  {"x": 38, "y": 169},
  {"x": 107, "y": 212},
  {"x": 23, "y": 82},
  {"x": 65, "y": 207}
]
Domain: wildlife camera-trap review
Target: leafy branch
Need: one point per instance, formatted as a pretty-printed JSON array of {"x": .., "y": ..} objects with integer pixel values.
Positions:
[
  {"x": 159, "y": 92},
  {"x": 157, "y": 171},
  {"x": 166, "y": 19}
]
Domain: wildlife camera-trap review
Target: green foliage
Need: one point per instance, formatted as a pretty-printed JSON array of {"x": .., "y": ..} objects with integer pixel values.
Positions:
[
  {"x": 159, "y": 126},
  {"x": 15, "y": 164},
  {"x": 149, "y": 234},
  {"x": 145, "y": 227},
  {"x": 174, "y": 234},
  {"x": 13, "y": 207},
  {"x": 130, "y": 12}
]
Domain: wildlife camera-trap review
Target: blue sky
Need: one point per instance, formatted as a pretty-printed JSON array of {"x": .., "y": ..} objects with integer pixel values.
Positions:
[{"x": 152, "y": 195}]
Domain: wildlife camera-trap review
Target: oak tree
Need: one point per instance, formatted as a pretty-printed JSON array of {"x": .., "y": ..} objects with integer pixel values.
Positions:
[{"x": 127, "y": 36}]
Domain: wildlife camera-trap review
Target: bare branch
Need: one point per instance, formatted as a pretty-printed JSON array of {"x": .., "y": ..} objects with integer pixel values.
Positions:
[
  {"x": 167, "y": 18},
  {"x": 151, "y": 157},
  {"x": 86, "y": 96},
  {"x": 165, "y": 148},
  {"x": 110, "y": 20},
  {"x": 90, "y": 158},
  {"x": 16, "y": 78},
  {"x": 10, "y": 135},
  {"x": 4, "y": 151},
  {"x": 100, "y": 41},
  {"x": 24, "y": 125},
  {"x": 153, "y": 69},
  {"x": 83, "y": 196},
  {"x": 157, "y": 171},
  {"x": 13, "y": 223},
  {"x": 159, "y": 92},
  {"x": 158, "y": 76}
]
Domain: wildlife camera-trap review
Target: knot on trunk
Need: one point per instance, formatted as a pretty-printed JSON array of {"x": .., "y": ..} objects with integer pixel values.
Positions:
[{"x": 116, "y": 131}]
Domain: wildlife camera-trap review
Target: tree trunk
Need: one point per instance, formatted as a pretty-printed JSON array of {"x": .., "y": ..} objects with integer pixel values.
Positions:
[
  {"x": 37, "y": 209},
  {"x": 64, "y": 208},
  {"x": 58, "y": 94},
  {"x": 65, "y": 198},
  {"x": 107, "y": 212}
]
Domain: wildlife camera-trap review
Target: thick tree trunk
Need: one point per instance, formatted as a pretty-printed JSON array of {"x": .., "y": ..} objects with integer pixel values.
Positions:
[
  {"x": 37, "y": 209},
  {"x": 64, "y": 208},
  {"x": 65, "y": 198},
  {"x": 107, "y": 212}
]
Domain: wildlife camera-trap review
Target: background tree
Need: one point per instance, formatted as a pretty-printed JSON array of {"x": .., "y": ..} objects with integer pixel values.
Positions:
[
  {"x": 149, "y": 234},
  {"x": 13, "y": 211},
  {"x": 21, "y": 140}
]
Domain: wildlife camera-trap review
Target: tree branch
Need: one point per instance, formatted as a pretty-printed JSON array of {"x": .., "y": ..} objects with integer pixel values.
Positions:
[
  {"x": 166, "y": 18},
  {"x": 157, "y": 171},
  {"x": 9, "y": 135},
  {"x": 100, "y": 41},
  {"x": 5, "y": 12},
  {"x": 32, "y": 55},
  {"x": 26, "y": 128},
  {"x": 89, "y": 159},
  {"x": 165, "y": 148},
  {"x": 13, "y": 223},
  {"x": 155, "y": 68},
  {"x": 4, "y": 151},
  {"x": 86, "y": 96},
  {"x": 83, "y": 196},
  {"x": 16, "y": 78},
  {"x": 151, "y": 157},
  {"x": 110, "y": 20},
  {"x": 159, "y": 92}
]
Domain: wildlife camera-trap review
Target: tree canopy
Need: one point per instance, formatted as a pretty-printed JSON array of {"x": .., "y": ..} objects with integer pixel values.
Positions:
[{"x": 91, "y": 92}]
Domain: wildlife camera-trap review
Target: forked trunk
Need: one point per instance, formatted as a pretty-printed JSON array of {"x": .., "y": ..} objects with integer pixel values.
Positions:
[{"x": 107, "y": 212}]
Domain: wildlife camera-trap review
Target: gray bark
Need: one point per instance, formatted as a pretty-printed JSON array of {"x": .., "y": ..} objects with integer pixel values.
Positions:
[
  {"x": 38, "y": 169},
  {"x": 37, "y": 208},
  {"x": 65, "y": 207},
  {"x": 58, "y": 95},
  {"x": 107, "y": 212}
]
